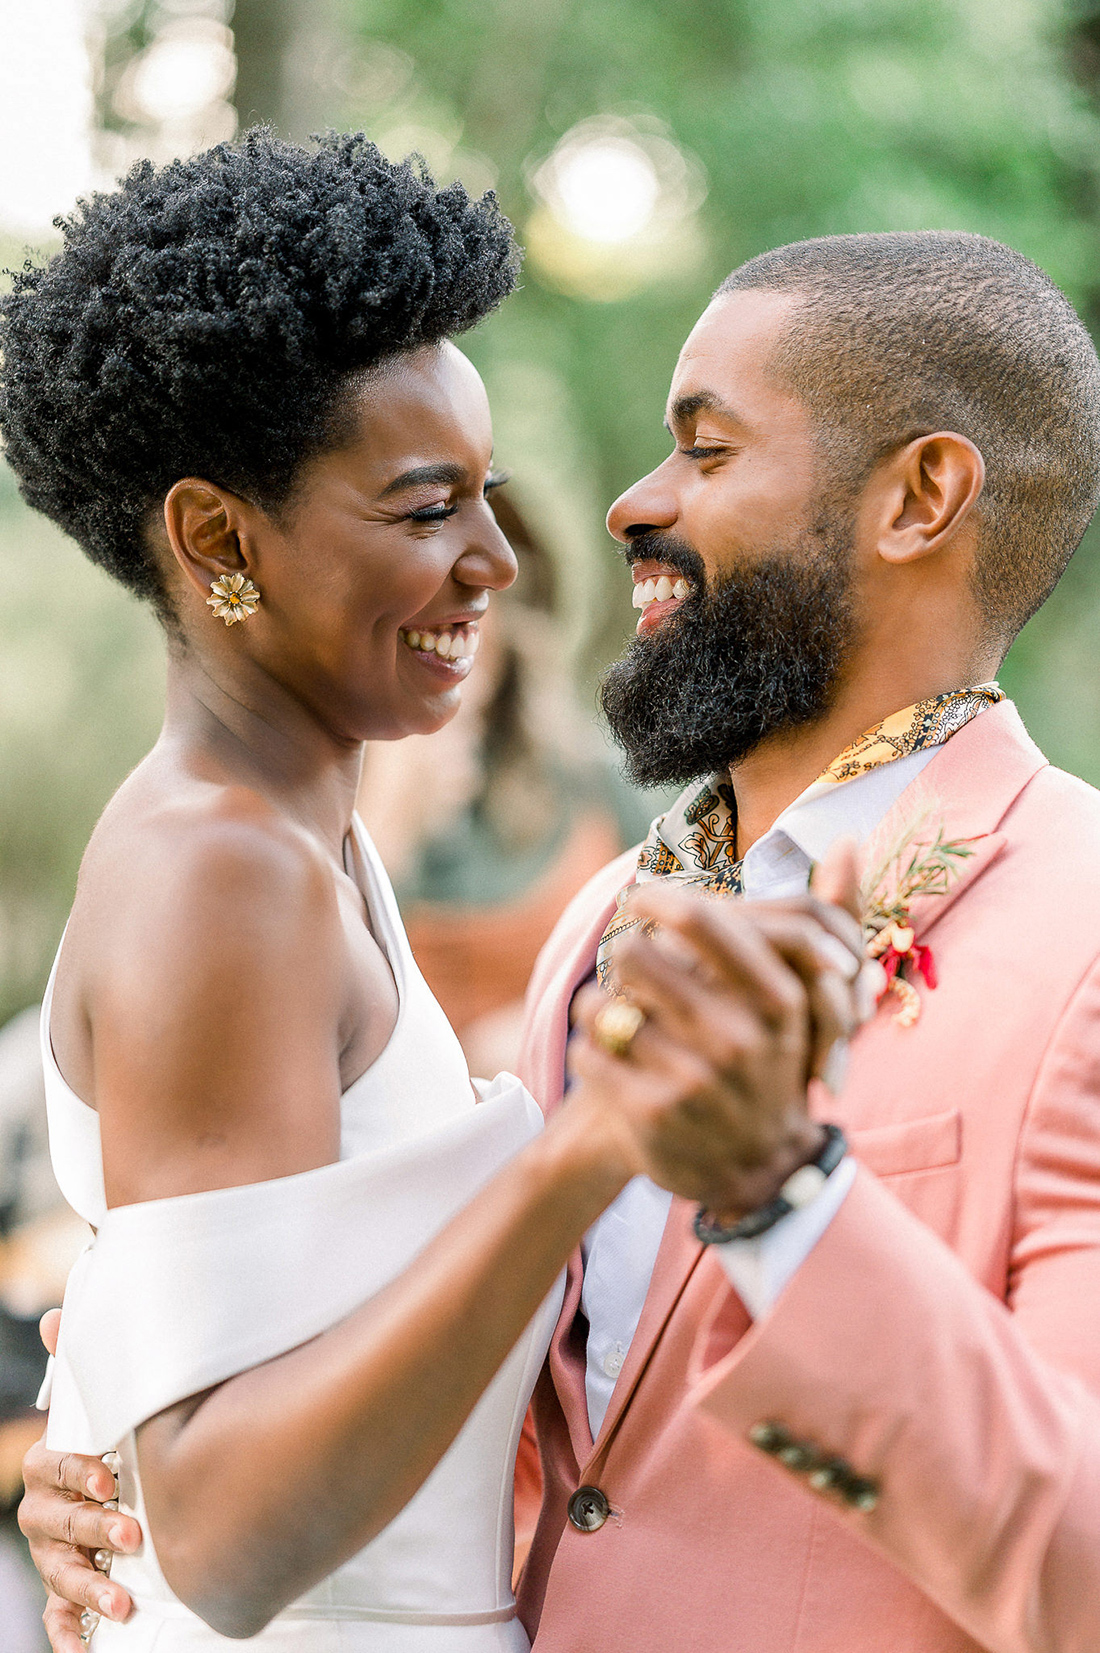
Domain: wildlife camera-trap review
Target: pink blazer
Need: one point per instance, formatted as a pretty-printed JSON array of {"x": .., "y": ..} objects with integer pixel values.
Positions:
[{"x": 943, "y": 1338}]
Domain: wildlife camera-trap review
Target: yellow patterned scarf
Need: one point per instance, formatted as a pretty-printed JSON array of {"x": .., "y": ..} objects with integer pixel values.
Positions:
[{"x": 696, "y": 841}]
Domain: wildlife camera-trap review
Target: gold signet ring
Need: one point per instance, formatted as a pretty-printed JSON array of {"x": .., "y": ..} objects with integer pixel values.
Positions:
[{"x": 616, "y": 1026}]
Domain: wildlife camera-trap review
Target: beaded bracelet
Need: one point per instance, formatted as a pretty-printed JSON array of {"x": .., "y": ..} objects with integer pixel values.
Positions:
[{"x": 799, "y": 1189}]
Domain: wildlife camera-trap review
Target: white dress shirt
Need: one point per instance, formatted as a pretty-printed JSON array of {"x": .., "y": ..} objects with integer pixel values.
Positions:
[{"x": 620, "y": 1249}]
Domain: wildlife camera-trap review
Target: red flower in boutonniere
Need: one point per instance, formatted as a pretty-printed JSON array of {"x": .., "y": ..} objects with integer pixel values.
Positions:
[{"x": 912, "y": 868}]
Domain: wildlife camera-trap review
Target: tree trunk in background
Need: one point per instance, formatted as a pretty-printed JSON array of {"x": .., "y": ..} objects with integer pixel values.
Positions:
[
  {"x": 284, "y": 48},
  {"x": 262, "y": 32}
]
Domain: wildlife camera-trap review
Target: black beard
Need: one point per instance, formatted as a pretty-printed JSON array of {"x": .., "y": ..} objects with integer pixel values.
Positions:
[{"x": 760, "y": 654}]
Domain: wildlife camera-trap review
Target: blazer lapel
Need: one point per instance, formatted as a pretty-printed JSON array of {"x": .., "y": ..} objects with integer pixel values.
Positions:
[
  {"x": 567, "y": 1364},
  {"x": 967, "y": 789}
]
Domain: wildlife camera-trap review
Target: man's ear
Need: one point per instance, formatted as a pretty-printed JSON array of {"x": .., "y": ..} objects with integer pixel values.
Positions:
[
  {"x": 205, "y": 526},
  {"x": 927, "y": 489}
]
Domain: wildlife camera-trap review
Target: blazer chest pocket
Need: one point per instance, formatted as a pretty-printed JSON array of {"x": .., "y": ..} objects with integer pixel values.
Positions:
[{"x": 910, "y": 1144}]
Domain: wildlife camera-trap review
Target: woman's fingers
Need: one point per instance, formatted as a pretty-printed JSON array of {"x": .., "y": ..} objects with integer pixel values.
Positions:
[
  {"x": 723, "y": 1023},
  {"x": 822, "y": 944},
  {"x": 708, "y": 925},
  {"x": 702, "y": 944},
  {"x": 775, "y": 963}
]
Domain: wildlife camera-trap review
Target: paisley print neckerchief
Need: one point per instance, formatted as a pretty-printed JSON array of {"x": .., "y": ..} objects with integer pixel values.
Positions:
[{"x": 696, "y": 841}]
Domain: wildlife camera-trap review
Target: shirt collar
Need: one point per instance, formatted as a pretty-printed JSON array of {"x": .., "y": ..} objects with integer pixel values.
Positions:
[{"x": 807, "y": 829}]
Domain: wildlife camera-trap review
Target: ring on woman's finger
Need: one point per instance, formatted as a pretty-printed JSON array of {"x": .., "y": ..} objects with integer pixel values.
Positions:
[{"x": 616, "y": 1025}]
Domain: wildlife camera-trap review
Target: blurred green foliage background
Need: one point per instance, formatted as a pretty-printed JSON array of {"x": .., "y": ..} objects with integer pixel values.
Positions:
[{"x": 762, "y": 124}]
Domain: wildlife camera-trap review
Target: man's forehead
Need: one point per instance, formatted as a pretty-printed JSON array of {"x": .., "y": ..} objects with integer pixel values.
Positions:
[{"x": 727, "y": 352}]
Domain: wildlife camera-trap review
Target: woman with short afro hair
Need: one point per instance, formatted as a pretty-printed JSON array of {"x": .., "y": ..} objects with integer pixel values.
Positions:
[{"x": 315, "y": 1257}]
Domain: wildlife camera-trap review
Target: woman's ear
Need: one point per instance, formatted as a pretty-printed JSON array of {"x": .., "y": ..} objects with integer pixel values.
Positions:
[
  {"x": 204, "y": 527},
  {"x": 929, "y": 488}
]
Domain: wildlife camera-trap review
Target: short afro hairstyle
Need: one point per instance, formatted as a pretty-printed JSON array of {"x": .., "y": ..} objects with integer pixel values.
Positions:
[
  {"x": 898, "y": 335},
  {"x": 207, "y": 318}
]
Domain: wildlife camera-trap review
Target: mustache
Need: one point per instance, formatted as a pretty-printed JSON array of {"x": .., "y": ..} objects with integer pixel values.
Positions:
[{"x": 655, "y": 546}]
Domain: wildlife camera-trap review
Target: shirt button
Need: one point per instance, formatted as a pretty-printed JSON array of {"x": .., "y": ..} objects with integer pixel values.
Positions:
[
  {"x": 588, "y": 1509},
  {"x": 613, "y": 1361}
]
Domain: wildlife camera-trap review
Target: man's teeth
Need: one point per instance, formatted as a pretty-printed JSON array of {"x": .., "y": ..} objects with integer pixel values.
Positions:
[
  {"x": 660, "y": 590},
  {"x": 448, "y": 645}
]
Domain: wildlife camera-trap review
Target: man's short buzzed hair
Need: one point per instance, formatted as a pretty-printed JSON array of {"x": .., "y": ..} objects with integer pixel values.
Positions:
[{"x": 902, "y": 334}]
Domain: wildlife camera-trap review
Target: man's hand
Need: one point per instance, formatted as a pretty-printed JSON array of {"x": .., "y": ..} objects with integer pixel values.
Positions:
[
  {"x": 745, "y": 1002},
  {"x": 65, "y": 1523}
]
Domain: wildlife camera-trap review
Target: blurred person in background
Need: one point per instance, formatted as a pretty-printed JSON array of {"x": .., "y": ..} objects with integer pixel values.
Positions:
[{"x": 489, "y": 827}]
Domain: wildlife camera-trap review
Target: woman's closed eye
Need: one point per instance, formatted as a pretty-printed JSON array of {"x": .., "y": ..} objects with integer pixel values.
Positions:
[
  {"x": 432, "y": 513},
  {"x": 440, "y": 513}
]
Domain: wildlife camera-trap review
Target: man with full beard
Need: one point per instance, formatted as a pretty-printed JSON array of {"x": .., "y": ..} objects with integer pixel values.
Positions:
[
  {"x": 875, "y": 1426},
  {"x": 864, "y": 1418}
]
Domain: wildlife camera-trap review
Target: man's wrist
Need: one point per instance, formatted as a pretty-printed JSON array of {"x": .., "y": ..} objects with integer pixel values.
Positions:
[
  {"x": 799, "y": 1187},
  {"x": 756, "y": 1186}
]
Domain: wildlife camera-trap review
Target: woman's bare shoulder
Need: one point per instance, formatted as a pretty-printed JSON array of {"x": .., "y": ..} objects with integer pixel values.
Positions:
[
  {"x": 172, "y": 868},
  {"x": 210, "y": 971}
]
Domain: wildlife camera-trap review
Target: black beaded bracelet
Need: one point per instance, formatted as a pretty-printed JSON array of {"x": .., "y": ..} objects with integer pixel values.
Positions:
[{"x": 797, "y": 1191}]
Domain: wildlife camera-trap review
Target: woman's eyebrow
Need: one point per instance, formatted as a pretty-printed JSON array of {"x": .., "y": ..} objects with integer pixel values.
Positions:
[{"x": 443, "y": 476}]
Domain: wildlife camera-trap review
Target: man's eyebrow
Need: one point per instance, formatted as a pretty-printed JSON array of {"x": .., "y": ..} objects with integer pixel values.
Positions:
[
  {"x": 684, "y": 409},
  {"x": 443, "y": 476}
]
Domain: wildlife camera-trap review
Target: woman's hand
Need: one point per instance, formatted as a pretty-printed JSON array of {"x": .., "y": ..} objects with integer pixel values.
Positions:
[{"x": 745, "y": 1002}]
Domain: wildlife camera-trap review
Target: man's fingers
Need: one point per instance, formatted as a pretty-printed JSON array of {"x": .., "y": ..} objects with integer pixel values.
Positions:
[
  {"x": 72, "y": 1577},
  {"x": 48, "y": 1328},
  {"x": 87, "y": 1526},
  {"x": 84, "y": 1476},
  {"x": 62, "y": 1622}
]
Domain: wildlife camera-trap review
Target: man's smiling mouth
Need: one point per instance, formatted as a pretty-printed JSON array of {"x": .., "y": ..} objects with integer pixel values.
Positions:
[{"x": 658, "y": 592}]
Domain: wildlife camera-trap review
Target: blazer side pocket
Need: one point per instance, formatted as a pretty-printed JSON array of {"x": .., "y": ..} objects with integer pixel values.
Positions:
[{"x": 910, "y": 1144}]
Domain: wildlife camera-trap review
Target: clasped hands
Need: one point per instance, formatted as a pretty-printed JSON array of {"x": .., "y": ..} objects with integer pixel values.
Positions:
[{"x": 744, "y": 1003}]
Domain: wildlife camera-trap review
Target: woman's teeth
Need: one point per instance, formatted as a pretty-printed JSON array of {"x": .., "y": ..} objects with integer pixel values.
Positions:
[
  {"x": 448, "y": 645},
  {"x": 660, "y": 590}
]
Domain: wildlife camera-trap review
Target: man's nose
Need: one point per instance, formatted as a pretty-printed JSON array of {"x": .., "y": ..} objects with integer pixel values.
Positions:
[{"x": 648, "y": 505}]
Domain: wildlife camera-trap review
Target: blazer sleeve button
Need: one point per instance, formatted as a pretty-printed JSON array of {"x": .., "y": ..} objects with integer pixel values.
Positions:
[
  {"x": 830, "y": 1475},
  {"x": 588, "y": 1509},
  {"x": 798, "y": 1457},
  {"x": 861, "y": 1494},
  {"x": 770, "y": 1437}
]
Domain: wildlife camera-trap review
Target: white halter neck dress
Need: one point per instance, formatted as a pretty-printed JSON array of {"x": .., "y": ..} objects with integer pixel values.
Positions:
[{"x": 175, "y": 1295}]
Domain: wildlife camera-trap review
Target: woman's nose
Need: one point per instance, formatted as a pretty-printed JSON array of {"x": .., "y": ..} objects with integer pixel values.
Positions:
[{"x": 489, "y": 561}]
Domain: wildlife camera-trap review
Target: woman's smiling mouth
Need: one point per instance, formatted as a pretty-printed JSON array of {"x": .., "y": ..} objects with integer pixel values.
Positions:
[{"x": 450, "y": 648}]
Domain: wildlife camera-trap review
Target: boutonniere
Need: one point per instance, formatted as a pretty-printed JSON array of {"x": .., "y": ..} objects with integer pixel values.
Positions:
[{"x": 917, "y": 864}]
